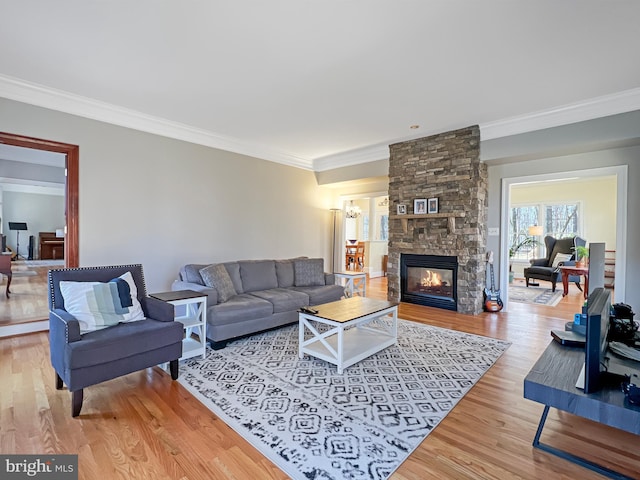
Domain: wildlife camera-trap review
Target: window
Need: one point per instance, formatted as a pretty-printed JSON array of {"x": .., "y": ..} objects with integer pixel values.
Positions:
[
  {"x": 558, "y": 220},
  {"x": 384, "y": 227}
]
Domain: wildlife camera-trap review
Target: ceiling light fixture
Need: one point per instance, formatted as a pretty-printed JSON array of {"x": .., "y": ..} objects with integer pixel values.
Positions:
[
  {"x": 414, "y": 127},
  {"x": 352, "y": 211}
]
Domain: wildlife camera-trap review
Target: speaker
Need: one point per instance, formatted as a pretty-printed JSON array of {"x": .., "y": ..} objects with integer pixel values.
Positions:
[{"x": 30, "y": 247}]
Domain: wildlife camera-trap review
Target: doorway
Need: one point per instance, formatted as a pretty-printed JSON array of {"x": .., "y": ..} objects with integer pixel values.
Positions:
[
  {"x": 71, "y": 250},
  {"x": 618, "y": 206}
]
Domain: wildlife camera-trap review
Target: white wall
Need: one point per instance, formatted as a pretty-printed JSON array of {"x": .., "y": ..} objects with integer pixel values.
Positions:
[{"x": 163, "y": 202}]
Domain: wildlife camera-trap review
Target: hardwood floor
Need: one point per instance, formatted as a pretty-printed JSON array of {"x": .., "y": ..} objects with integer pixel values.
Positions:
[
  {"x": 144, "y": 425},
  {"x": 28, "y": 302}
]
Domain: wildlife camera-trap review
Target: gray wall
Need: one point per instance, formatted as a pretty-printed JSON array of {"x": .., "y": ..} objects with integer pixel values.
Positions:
[
  {"x": 42, "y": 213},
  {"x": 163, "y": 202}
]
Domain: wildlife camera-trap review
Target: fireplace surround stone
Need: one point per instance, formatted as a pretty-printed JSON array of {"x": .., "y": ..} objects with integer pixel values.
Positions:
[{"x": 446, "y": 166}]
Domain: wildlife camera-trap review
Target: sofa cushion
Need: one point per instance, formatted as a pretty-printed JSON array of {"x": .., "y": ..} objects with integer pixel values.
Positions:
[
  {"x": 234, "y": 272},
  {"x": 258, "y": 275},
  {"x": 191, "y": 273},
  {"x": 308, "y": 272},
  {"x": 97, "y": 305},
  {"x": 284, "y": 272},
  {"x": 283, "y": 299},
  {"x": 238, "y": 309},
  {"x": 322, "y": 294},
  {"x": 217, "y": 276}
]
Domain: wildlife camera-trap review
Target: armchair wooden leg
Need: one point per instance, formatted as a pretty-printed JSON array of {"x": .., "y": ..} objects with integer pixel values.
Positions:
[
  {"x": 173, "y": 368},
  {"x": 553, "y": 286},
  {"x": 58, "y": 382},
  {"x": 76, "y": 402},
  {"x": 526, "y": 279}
]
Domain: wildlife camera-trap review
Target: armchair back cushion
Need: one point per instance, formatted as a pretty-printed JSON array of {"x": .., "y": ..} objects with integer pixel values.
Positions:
[
  {"x": 561, "y": 245},
  {"x": 93, "y": 274}
]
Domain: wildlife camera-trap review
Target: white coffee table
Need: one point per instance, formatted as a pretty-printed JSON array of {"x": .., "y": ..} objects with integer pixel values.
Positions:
[{"x": 358, "y": 328}]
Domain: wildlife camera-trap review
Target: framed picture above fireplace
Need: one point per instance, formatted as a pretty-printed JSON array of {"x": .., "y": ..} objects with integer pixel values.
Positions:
[
  {"x": 432, "y": 205},
  {"x": 420, "y": 205}
]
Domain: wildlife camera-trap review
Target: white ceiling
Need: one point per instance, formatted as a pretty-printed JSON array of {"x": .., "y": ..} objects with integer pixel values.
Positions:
[{"x": 295, "y": 81}]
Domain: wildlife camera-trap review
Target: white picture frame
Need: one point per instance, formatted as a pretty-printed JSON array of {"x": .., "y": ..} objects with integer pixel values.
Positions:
[
  {"x": 402, "y": 209},
  {"x": 420, "y": 206}
]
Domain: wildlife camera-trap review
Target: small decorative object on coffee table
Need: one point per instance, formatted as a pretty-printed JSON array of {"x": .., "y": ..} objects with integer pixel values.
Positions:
[
  {"x": 354, "y": 282},
  {"x": 348, "y": 331},
  {"x": 194, "y": 320}
]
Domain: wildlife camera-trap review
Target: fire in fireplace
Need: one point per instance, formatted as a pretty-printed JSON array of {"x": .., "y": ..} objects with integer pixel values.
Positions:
[{"x": 429, "y": 280}]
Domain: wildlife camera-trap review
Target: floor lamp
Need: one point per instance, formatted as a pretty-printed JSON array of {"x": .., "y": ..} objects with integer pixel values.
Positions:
[
  {"x": 334, "y": 211},
  {"x": 535, "y": 231}
]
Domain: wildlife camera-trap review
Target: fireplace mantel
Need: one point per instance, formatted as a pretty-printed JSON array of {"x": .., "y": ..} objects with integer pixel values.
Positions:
[{"x": 404, "y": 219}]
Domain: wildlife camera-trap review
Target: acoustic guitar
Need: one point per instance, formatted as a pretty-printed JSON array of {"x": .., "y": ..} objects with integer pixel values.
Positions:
[{"x": 492, "y": 301}]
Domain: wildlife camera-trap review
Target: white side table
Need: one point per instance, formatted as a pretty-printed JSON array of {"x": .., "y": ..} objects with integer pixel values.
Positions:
[
  {"x": 194, "y": 320},
  {"x": 353, "y": 282}
]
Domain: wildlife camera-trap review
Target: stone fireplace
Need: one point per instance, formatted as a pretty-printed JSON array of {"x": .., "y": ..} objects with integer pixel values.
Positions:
[{"x": 447, "y": 167}]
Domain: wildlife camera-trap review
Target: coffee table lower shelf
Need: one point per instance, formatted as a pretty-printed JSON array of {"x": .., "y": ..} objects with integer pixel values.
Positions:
[{"x": 358, "y": 344}]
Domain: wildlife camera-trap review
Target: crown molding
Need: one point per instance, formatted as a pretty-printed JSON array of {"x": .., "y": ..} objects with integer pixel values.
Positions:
[
  {"x": 604, "y": 106},
  {"x": 352, "y": 157},
  {"x": 41, "y": 96}
]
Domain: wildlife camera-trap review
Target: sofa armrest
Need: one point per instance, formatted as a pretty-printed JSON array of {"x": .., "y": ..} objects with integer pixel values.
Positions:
[
  {"x": 211, "y": 293},
  {"x": 63, "y": 327},
  {"x": 329, "y": 279},
  {"x": 158, "y": 310}
]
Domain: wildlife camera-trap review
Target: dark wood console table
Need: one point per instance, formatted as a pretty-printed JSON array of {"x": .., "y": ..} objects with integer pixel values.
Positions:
[
  {"x": 552, "y": 381},
  {"x": 50, "y": 246}
]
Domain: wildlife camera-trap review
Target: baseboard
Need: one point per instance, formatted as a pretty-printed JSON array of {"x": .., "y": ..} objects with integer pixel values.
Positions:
[{"x": 23, "y": 328}]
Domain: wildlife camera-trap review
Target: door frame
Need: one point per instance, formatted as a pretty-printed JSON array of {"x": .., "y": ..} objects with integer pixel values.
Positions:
[
  {"x": 621, "y": 174},
  {"x": 72, "y": 153}
]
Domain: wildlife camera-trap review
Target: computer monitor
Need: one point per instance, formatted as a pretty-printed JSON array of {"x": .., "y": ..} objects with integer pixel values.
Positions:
[{"x": 598, "y": 313}]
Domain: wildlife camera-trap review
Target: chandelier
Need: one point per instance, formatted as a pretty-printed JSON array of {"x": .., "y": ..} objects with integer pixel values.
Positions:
[{"x": 352, "y": 211}]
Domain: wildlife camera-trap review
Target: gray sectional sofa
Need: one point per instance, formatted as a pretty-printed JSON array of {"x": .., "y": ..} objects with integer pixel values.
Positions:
[{"x": 249, "y": 296}]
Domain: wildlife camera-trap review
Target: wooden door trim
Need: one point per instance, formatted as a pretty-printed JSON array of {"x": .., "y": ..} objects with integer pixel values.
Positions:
[{"x": 71, "y": 246}]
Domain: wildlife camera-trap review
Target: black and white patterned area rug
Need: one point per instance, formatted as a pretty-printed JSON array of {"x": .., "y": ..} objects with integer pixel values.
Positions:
[{"x": 316, "y": 424}]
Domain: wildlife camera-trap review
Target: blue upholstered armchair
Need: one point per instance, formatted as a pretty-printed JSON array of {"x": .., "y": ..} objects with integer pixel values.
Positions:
[{"x": 81, "y": 359}]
